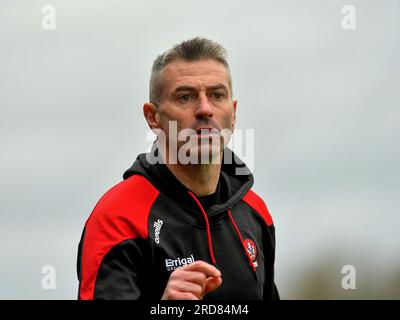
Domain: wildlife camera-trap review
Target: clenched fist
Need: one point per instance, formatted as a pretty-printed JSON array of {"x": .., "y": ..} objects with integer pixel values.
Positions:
[{"x": 192, "y": 282}]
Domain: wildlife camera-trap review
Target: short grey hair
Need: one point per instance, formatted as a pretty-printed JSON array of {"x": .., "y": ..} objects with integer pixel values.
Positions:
[{"x": 190, "y": 50}]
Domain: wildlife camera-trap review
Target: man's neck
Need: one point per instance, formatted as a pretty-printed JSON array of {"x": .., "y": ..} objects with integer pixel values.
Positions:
[{"x": 201, "y": 179}]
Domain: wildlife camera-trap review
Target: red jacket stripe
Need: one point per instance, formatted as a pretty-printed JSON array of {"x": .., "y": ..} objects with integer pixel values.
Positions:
[{"x": 254, "y": 201}]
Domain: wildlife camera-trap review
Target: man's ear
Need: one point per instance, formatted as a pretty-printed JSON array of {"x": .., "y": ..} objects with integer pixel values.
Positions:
[
  {"x": 234, "y": 114},
  {"x": 150, "y": 112}
]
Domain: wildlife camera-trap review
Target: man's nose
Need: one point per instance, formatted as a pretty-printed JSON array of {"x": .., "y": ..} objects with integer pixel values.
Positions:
[{"x": 204, "y": 108}]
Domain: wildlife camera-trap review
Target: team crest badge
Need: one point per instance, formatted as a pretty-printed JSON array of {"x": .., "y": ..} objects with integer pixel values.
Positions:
[{"x": 251, "y": 250}]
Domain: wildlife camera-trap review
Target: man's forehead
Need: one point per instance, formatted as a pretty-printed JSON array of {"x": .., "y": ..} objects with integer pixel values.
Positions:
[{"x": 180, "y": 71}]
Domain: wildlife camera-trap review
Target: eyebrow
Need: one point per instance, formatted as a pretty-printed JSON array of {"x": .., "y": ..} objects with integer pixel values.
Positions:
[{"x": 191, "y": 88}]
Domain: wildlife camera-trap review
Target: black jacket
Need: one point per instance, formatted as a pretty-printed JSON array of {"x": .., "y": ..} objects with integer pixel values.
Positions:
[{"x": 149, "y": 224}]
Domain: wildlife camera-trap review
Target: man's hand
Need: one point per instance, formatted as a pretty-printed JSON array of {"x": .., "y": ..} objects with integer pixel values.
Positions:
[{"x": 192, "y": 282}]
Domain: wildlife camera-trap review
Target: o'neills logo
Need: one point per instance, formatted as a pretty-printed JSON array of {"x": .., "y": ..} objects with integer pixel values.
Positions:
[
  {"x": 172, "y": 264},
  {"x": 157, "y": 229}
]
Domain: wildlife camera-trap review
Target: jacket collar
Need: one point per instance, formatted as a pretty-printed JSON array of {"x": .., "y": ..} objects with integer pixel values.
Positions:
[{"x": 231, "y": 186}]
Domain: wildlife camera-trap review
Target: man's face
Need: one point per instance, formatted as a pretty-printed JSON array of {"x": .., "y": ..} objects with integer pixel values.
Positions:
[{"x": 197, "y": 96}]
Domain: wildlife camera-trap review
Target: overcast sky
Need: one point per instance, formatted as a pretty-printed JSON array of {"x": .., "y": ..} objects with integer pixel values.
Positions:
[{"x": 323, "y": 102}]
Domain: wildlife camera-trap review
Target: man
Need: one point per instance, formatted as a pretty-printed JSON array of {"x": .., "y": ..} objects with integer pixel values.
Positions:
[{"x": 184, "y": 223}]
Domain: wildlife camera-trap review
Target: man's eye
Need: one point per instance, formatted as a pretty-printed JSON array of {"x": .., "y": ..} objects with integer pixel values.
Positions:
[
  {"x": 218, "y": 95},
  {"x": 184, "y": 98}
]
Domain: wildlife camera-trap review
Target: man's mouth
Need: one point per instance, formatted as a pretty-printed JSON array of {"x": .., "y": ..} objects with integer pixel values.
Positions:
[{"x": 206, "y": 131}]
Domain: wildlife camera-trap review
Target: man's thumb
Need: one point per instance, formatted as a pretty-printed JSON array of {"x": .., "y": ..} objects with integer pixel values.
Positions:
[{"x": 212, "y": 283}]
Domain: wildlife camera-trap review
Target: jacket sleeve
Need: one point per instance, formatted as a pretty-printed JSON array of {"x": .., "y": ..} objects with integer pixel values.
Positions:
[
  {"x": 114, "y": 244},
  {"x": 118, "y": 276},
  {"x": 257, "y": 203},
  {"x": 270, "y": 289}
]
